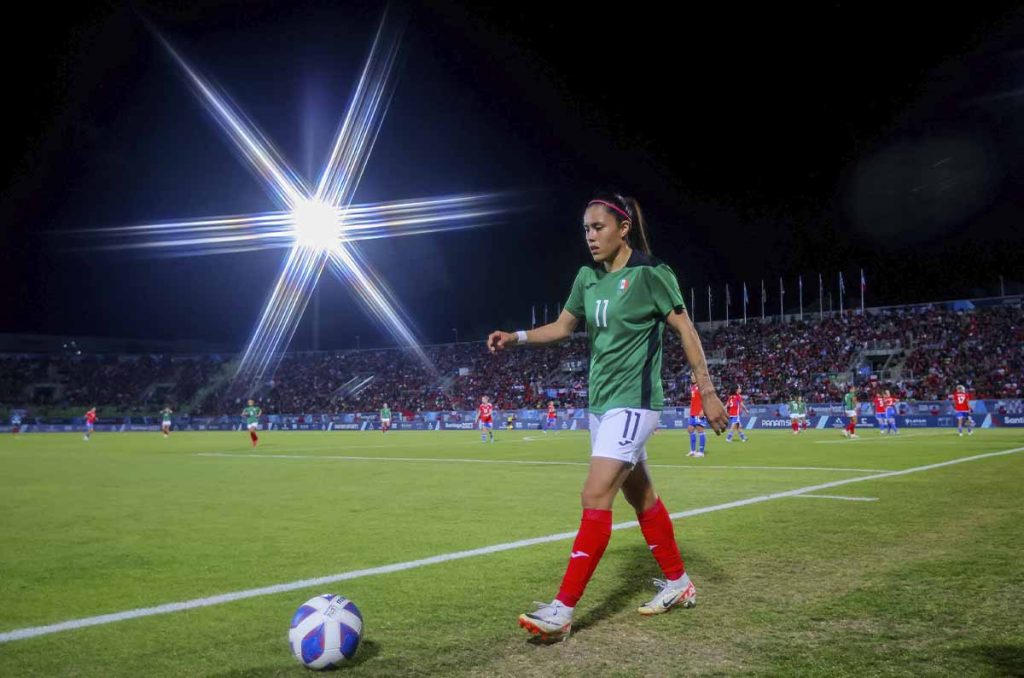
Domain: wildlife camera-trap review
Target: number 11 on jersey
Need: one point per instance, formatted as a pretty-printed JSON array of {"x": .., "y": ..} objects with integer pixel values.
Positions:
[{"x": 601, "y": 313}]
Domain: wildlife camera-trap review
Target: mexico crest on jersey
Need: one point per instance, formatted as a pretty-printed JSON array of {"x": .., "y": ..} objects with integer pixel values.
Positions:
[{"x": 623, "y": 285}]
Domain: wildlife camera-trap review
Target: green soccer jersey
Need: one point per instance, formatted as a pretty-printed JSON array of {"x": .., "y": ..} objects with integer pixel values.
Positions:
[
  {"x": 385, "y": 413},
  {"x": 165, "y": 414},
  {"x": 625, "y": 313},
  {"x": 794, "y": 408},
  {"x": 252, "y": 415},
  {"x": 801, "y": 407},
  {"x": 848, "y": 402}
]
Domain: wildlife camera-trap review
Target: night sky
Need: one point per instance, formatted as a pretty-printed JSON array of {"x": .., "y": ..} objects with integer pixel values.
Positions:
[{"x": 759, "y": 145}]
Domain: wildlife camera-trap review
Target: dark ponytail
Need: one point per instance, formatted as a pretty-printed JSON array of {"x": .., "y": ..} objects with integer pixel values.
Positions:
[{"x": 624, "y": 207}]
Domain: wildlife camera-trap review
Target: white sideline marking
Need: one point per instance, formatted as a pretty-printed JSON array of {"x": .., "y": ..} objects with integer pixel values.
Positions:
[
  {"x": 34, "y": 631},
  {"x": 527, "y": 462},
  {"x": 835, "y": 496}
]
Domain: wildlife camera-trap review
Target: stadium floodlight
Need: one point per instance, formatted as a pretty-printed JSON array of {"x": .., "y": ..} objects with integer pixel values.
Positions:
[{"x": 318, "y": 226}]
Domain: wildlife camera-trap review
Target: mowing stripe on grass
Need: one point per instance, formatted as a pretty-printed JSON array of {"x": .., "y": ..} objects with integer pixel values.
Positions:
[
  {"x": 527, "y": 462},
  {"x": 31, "y": 632}
]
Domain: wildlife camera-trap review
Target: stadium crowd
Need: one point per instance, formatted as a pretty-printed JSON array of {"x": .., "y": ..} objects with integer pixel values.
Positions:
[{"x": 933, "y": 348}]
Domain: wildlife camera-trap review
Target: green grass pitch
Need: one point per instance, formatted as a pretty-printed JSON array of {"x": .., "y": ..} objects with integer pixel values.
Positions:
[{"x": 922, "y": 575}]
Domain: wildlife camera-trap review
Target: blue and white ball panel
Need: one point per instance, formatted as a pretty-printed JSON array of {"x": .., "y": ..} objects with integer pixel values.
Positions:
[{"x": 325, "y": 631}]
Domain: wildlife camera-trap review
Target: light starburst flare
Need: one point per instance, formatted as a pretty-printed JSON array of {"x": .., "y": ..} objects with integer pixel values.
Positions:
[{"x": 319, "y": 226}]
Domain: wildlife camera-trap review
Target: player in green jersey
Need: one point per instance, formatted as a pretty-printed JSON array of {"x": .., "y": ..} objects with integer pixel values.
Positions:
[
  {"x": 252, "y": 420},
  {"x": 165, "y": 419},
  {"x": 385, "y": 418},
  {"x": 850, "y": 407},
  {"x": 626, "y": 300}
]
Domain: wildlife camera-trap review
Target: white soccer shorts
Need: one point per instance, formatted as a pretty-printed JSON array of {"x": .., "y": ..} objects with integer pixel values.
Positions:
[
  {"x": 621, "y": 433},
  {"x": 851, "y": 413}
]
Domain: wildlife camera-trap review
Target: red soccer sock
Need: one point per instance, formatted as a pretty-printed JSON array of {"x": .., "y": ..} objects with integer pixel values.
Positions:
[
  {"x": 252, "y": 434},
  {"x": 660, "y": 534},
  {"x": 794, "y": 424},
  {"x": 587, "y": 549}
]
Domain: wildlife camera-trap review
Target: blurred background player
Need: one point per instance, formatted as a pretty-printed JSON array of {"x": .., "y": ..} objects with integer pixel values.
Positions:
[
  {"x": 484, "y": 415},
  {"x": 795, "y": 414},
  {"x": 696, "y": 424},
  {"x": 252, "y": 420},
  {"x": 165, "y": 421},
  {"x": 962, "y": 409},
  {"x": 90, "y": 423},
  {"x": 802, "y": 406},
  {"x": 879, "y": 404},
  {"x": 15, "y": 423},
  {"x": 552, "y": 423},
  {"x": 890, "y": 413},
  {"x": 510, "y": 421},
  {"x": 735, "y": 407},
  {"x": 850, "y": 407},
  {"x": 385, "y": 418}
]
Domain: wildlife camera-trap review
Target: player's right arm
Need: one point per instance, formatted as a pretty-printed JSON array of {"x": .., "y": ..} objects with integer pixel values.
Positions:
[{"x": 551, "y": 333}]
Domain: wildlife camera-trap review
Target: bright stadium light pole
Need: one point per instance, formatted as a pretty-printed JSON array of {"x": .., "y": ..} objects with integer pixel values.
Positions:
[{"x": 319, "y": 226}]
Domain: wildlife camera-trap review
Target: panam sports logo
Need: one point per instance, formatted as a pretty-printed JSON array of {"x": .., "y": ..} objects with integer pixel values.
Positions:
[
  {"x": 775, "y": 423},
  {"x": 910, "y": 422}
]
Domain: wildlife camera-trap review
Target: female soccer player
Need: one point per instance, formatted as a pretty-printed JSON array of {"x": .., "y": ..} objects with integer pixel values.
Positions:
[
  {"x": 252, "y": 420},
  {"x": 626, "y": 299}
]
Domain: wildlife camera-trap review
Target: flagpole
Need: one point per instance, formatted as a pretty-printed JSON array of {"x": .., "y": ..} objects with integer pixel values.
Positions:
[
  {"x": 782, "y": 294},
  {"x": 745, "y": 300},
  {"x": 863, "y": 284},
  {"x": 800, "y": 280},
  {"x": 693, "y": 304},
  {"x": 821, "y": 298},
  {"x": 710, "y": 317},
  {"x": 728, "y": 302},
  {"x": 764, "y": 295},
  {"x": 533, "y": 316},
  {"x": 842, "y": 289},
  {"x": 545, "y": 314}
]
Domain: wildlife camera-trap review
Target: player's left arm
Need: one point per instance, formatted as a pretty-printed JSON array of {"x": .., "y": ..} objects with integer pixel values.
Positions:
[{"x": 713, "y": 408}]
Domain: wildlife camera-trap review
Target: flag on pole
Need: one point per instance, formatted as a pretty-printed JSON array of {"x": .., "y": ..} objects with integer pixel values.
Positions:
[
  {"x": 764, "y": 298},
  {"x": 863, "y": 286},
  {"x": 842, "y": 291},
  {"x": 800, "y": 282},
  {"x": 821, "y": 297},
  {"x": 782, "y": 295},
  {"x": 746, "y": 300}
]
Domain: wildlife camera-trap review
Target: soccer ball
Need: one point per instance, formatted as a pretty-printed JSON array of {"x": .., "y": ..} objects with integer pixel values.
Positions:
[{"x": 325, "y": 631}]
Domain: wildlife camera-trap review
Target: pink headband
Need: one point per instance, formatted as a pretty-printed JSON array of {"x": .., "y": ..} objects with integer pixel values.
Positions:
[{"x": 608, "y": 204}]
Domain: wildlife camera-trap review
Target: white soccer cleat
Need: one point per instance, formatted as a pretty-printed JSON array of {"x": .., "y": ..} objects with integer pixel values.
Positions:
[
  {"x": 846, "y": 433},
  {"x": 692, "y": 453},
  {"x": 698, "y": 455},
  {"x": 672, "y": 593},
  {"x": 550, "y": 621},
  {"x": 854, "y": 435}
]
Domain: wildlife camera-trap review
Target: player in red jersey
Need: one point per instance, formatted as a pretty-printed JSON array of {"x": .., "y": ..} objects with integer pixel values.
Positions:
[
  {"x": 735, "y": 407},
  {"x": 90, "y": 422},
  {"x": 484, "y": 415},
  {"x": 552, "y": 418},
  {"x": 697, "y": 422},
  {"x": 879, "y": 403},
  {"x": 890, "y": 412},
  {"x": 962, "y": 408}
]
